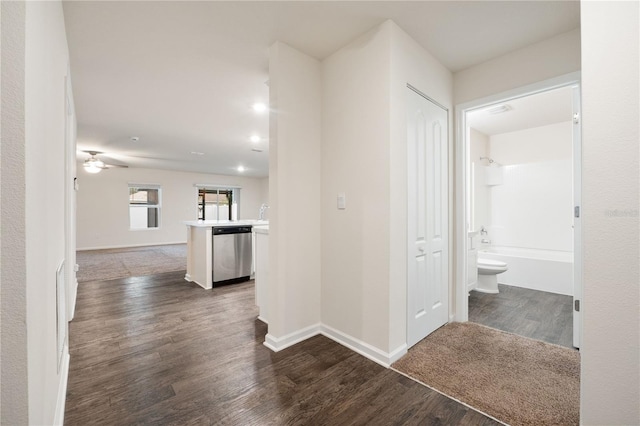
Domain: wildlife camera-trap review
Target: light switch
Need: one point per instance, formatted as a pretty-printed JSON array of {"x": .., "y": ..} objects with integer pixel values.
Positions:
[{"x": 342, "y": 201}]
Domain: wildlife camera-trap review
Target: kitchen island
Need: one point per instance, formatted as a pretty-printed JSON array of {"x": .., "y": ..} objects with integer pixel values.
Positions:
[{"x": 200, "y": 248}]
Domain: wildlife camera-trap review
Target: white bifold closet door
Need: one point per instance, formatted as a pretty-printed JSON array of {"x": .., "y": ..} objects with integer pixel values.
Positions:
[{"x": 427, "y": 172}]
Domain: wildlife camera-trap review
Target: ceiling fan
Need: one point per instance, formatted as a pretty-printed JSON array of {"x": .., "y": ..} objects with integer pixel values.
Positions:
[{"x": 94, "y": 165}]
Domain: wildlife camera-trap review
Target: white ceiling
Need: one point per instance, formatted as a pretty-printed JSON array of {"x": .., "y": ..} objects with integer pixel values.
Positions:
[
  {"x": 182, "y": 75},
  {"x": 537, "y": 110}
]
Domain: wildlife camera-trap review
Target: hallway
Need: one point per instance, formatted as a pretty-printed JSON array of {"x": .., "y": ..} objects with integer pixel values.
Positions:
[{"x": 159, "y": 350}]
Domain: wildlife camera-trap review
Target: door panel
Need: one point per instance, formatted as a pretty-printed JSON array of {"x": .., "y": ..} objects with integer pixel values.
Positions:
[{"x": 427, "y": 172}]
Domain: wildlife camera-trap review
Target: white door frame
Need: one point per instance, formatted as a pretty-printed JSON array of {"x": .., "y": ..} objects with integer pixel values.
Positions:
[{"x": 460, "y": 294}]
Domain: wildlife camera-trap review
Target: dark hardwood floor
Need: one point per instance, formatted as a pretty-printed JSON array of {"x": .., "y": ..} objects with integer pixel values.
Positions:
[
  {"x": 159, "y": 350},
  {"x": 530, "y": 313}
]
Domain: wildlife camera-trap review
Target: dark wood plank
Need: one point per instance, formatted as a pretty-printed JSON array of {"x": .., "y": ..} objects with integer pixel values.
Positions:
[
  {"x": 536, "y": 314},
  {"x": 159, "y": 350}
]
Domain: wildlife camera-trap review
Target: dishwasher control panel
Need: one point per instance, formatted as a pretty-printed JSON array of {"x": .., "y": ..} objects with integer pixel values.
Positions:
[{"x": 231, "y": 230}]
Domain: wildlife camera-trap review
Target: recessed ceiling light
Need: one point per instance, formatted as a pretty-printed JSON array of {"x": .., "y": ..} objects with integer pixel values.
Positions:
[
  {"x": 499, "y": 109},
  {"x": 240, "y": 169},
  {"x": 259, "y": 107},
  {"x": 134, "y": 139},
  {"x": 197, "y": 153},
  {"x": 254, "y": 138}
]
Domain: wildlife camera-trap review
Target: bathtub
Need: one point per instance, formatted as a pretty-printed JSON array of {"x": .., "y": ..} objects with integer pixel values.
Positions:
[{"x": 543, "y": 270}]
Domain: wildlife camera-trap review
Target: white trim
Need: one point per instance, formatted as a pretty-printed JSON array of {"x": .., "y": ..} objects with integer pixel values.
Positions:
[
  {"x": 263, "y": 320},
  {"x": 209, "y": 186},
  {"x": 62, "y": 389},
  {"x": 376, "y": 355},
  {"x": 130, "y": 246},
  {"x": 145, "y": 185},
  {"x": 578, "y": 262},
  {"x": 461, "y": 299},
  {"x": 72, "y": 307},
  {"x": 398, "y": 353},
  {"x": 277, "y": 344},
  {"x": 357, "y": 345}
]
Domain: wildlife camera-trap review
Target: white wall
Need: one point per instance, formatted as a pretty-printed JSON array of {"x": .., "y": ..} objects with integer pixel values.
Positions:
[
  {"x": 47, "y": 61},
  {"x": 480, "y": 196},
  {"x": 549, "y": 58},
  {"x": 533, "y": 207},
  {"x": 533, "y": 145},
  {"x": 35, "y": 80},
  {"x": 364, "y": 156},
  {"x": 294, "y": 191},
  {"x": 264, "y": 190},
  {"x": 14, "y": 406},
  {"x": 103, "y": 205},
  {"x": 355, "y": 151},
  {"x": 410, "y": 63},
  {"x": 610, "y": 373}
]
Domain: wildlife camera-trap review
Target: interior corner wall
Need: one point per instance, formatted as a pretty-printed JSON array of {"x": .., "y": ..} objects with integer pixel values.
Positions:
[
  {"x": 294, "y": 188},
  {"x": 541, "y": 61},
  {"x": 355, "y": 162},
  {"x": 103, "y": 205},
  {"x": 410, "y": 63},
  {"x": 14, "y": 404},
  {"x": 610, "y": 354}
]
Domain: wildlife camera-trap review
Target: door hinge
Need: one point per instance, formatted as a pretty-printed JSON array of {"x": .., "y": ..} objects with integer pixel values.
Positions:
[
  {"x": 576, "y": 118},
  {"x": 576, "y": 305},
  {"x": 576, "y": 211}
]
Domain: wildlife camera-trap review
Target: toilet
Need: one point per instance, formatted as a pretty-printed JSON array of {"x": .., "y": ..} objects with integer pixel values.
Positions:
[{"x": 488, "y": 271}]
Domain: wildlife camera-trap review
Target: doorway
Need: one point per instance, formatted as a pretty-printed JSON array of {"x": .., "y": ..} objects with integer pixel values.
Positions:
[{"x": 519, "y": 163}]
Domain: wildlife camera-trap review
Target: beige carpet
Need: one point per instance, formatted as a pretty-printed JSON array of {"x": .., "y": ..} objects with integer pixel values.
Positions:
[
  {"x": 110, "y": 264},
  {"x": 517, "y": 380}
]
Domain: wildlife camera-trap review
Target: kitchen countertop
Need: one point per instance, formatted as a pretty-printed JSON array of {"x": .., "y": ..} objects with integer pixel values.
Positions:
[{"x": 225, "y": 223}]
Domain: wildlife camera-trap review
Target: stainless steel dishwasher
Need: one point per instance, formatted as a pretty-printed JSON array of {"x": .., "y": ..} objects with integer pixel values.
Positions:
[{"x": 231, "y": 254}]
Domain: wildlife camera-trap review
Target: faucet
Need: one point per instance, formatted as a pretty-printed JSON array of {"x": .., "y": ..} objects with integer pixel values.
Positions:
[
  {"x": 263, "y": 209},
  {"x": 483, "y": 230}
]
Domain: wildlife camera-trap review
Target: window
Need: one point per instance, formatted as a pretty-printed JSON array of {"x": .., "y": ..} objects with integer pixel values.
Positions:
[
  {"x": 144, "y": 206},
  {"x": 217, "y": 204}
]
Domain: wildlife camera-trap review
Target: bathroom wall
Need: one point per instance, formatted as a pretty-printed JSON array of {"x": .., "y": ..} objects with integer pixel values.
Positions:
[
  {"x": 533, "y": 207},
  {"x": 480, "y": 195},
  {"x": 533, "y": 145}
]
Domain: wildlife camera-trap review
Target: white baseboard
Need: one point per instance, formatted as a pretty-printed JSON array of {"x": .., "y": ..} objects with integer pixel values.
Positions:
[
  {"x": 130, "y": 246},
  {"x": 72, "y": 308},
  {"x": 398, "y": 353},
  {"x": 374, "y": 354},
  {"x": 58, "y": 420},
  {"x": 277, "y": 344}
]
